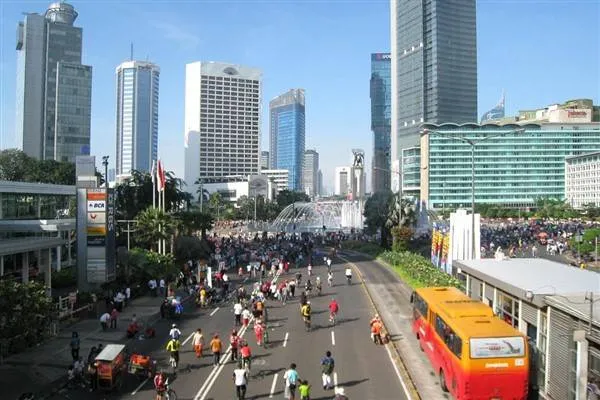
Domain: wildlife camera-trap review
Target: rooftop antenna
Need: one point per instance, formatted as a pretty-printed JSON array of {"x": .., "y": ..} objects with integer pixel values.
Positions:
[{"x": 131, "y": 52}]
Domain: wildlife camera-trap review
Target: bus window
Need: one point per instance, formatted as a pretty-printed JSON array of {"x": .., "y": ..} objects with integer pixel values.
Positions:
[
  {"x": 420, "y": 306},
  {"x": 451, "y": 339}
]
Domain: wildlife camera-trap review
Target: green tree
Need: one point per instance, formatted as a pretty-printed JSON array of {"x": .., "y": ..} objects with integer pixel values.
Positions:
[
  {"x": 140, "y": 265},
  {"x": 154, "y": 225},
  {"x": 15, "y": 165},
  {"x": 287, "y": 197},
  {"x": 25, "y": 312},
  {"x": 194, "y": 221},
  {"x": 377, "y": 210},
  {"x": 401, "y": 212},
  {"x": 191, "y": 248}
]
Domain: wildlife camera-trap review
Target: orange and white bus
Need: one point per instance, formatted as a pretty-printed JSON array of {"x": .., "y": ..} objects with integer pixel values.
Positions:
[{"x": 475, "y": 355}]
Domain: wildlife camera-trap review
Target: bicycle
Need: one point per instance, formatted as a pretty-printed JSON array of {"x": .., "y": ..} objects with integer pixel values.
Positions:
[
  {"x": 332, "y": 318},
  {"x": 265, "y": 338},
  {"x": 246, "y": 364},
  {"x": 169, "y": 393}
]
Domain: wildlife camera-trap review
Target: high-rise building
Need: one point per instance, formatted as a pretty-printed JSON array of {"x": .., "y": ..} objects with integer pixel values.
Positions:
[
  {"x": 54, "y": 90},
  {"x": 310, "y": 174},
  {"x": 288, "y": 134},
  {"x": 434, "y": 67},
  {"x": 265, "y": 161},
  {"x": 381, "y": 112},
  {"x": 222, "y": 121},
  {"x": 137, "y": 116},
  {"x": 320, "y": 190},
  {"x": 343, "y": 181}
]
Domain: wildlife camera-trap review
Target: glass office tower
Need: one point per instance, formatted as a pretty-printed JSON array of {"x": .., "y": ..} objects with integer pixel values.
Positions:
[
  {"x": 137, "y": 116},
  {"x": 381, "y": 106},
  {"x": 54, "y": 89},
  {"x": 288, "y": 135},
  {"x": 434, "y": 67}
]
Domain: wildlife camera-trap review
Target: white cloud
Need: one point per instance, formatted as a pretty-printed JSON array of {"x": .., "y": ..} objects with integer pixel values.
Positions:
[{"x": 177, "y": 33}]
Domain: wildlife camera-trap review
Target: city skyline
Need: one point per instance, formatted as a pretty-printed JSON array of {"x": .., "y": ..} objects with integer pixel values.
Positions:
[
  {"x": 172, "y": 38},
  {"x": 381, "y": 107}
]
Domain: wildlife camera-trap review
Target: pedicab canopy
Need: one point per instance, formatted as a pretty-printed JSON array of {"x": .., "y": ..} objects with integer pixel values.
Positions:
[{"x": 110, "y": 352}]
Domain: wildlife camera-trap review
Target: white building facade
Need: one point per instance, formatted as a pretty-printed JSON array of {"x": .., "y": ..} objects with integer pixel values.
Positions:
[
  {"x": 343, "y": 181},
  {"x": 582, "y": 179},
  {"x": 137, "y": 116},
  {"x": 222, "y": 121},
  {"x": 280, "y": 177},
  {"x": 310, "y": 175}
]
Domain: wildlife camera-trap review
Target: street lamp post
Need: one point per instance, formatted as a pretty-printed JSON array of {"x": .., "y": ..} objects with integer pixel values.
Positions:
[
  {"x": 472, "y": 143},
  {"x": 105, "y": 163}
]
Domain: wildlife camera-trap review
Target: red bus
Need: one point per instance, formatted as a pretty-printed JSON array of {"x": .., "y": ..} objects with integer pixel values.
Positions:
[{"x": 475, "y": 355}]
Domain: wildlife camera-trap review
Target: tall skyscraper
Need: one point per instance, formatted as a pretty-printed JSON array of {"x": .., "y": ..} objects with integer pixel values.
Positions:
[
  {"x": 54, "y": 90},
  {"x": 310, "y": 174},
  {"x": 137, "y": 116},
  {"x": 288, "y": 134},
  {"x": 265, "y": 160},
  {"x": 381, "y": 110},
  {"x": 434, "y": 66},
  {"x": 343, "y": 181},
  {"x": 222, "y": 121},
  {"x": 320, "y": 190}
]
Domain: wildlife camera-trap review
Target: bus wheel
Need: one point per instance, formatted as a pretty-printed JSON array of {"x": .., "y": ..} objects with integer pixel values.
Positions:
[{"x": 443, "y": 381}]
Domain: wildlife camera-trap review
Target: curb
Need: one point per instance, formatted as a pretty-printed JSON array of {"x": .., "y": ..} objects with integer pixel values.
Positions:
[{"x": 403, "y": 370}]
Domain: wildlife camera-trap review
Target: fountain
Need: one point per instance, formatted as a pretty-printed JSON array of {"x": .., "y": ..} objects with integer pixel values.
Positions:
[{"x": 312, "y": 217}]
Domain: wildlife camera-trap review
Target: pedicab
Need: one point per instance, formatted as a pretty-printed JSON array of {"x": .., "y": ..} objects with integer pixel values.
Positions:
[
  {"x": 141, "y": 366},
  {"x": 112, "y": 367}
]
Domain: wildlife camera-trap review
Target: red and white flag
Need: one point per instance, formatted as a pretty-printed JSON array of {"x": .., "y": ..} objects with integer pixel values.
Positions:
[{"x": 160, "y": 177}]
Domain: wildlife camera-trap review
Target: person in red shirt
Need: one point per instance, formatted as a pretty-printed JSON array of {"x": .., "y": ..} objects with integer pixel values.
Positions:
[
  {"x": 246, "y": 354},
  {"x": 333, "y": 310},
  {"x": 234, "y": 340},
  {"x": 259, "y": 330},
  {"x": 160, "y": 385}
]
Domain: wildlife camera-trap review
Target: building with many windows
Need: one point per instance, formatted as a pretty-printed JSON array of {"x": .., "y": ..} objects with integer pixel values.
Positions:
[
  {"x": 287, "y": 135},
  {"x": 582, "y": 180},
  {"x": 54, "y": 89},
  {"x": 434, "y": 67},
  {"x": 310, "y": 175},
  {"x": 574, "y": 111},
  {"x": 264, "y": 160},
  {"x": 513, "y": 165},
  {"x": 280, "y": 177},
  {"x": 222, "y": 121},
  {"x": 381, "y": 107},
  {"x": 137, "y": 116}
]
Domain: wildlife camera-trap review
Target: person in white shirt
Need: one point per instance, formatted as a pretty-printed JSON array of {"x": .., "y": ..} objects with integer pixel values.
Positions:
[
  {"x": 162, "y": 286},
  {"x": 237, "y": 312},
  {"x": 246, "y": 315},
  {"x": 174, "y": 333},
  {"x": 198, "y": 342},
  {"x": 240, "y": 380},
  {"x": 127, "y": 294},
  {"x": 104, "y": 319}
]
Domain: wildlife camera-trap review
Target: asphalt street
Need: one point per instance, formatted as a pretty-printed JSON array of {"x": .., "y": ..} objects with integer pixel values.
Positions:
[{"x": 364, "y": 370}]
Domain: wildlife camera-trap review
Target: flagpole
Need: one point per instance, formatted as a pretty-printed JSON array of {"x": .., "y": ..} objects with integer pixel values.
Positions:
[{"x": 153, "y": 184}]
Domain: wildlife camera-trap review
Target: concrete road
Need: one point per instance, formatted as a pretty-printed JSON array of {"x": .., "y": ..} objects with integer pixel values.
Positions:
[{"x": 363, "y": 369}]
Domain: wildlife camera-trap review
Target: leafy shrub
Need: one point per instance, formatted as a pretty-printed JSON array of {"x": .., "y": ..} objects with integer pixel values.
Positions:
[
  {"x": 419, "y": 269},
  {"x": 66, "y": 277}
]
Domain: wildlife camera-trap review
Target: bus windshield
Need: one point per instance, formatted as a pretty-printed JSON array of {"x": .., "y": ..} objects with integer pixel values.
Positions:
[{"x": 500, "y": 347}]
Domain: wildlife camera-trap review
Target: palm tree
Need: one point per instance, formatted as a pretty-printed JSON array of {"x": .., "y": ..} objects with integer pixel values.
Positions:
[
  {"x": 153, "y": 225},
  {"x": 193, "y": 221}
]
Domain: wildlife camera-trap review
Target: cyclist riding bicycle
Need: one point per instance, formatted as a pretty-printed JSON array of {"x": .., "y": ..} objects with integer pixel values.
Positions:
[
  {"x": 174, "y": 333},
  {"x": 330, "y": 279},
  {"x": 306, "y": 311},
  {"x": 173, "y": 348},
  {"x": 308, "y": 286},
  {"x": 246, "y": 354},
  {"x": 318, "y": 284},
  {"x": 160, "y": 385},
  {"x": 333, "y": 309},
  {"x": 348, "y": 274}
]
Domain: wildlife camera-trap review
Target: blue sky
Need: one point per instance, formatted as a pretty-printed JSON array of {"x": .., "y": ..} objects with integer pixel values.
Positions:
[{"x": 540, "y": 52}]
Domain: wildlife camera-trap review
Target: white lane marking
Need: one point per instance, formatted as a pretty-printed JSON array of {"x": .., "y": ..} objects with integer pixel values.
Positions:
[
  {"x": 285, "y": 339},
  {"x": 188, "y": 339},
  {"x": 335, "y": 381},
  {"x": 406, "y": 392},
  {"x": 210, "y": 380},
  {"x": 272, "y": 393},
  {"x": 137, "y": 389},
  {"x": 332, "y": 338},
  {"x": 214, "y": 311}
]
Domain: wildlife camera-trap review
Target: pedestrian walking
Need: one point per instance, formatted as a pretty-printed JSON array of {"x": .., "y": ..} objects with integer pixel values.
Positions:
[
  {"x": 304, "y": 390},
  {"x": 216, "y": 345},
  {"x": 240, "y": 380},
  {"x": 327, "y": 366},
  {"x": 75, "y": 343},
  {"x": 198, "y": 342},
  {"x": 234, "y": 341},
  {"x": 237, "y": 313},
  {"x": 290, "y": 379},
  {"x": 114, "y": 314}
]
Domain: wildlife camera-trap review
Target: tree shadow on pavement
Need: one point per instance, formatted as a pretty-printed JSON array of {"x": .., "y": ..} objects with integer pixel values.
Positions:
[
  {"x": 353, "y": 383},
  {"x": 267, "y": 395}
]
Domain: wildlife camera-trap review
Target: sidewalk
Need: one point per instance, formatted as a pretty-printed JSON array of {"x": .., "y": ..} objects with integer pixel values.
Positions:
[
  {"x": 392, "y": 300},
  {"x": 44, "y": 367}
]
